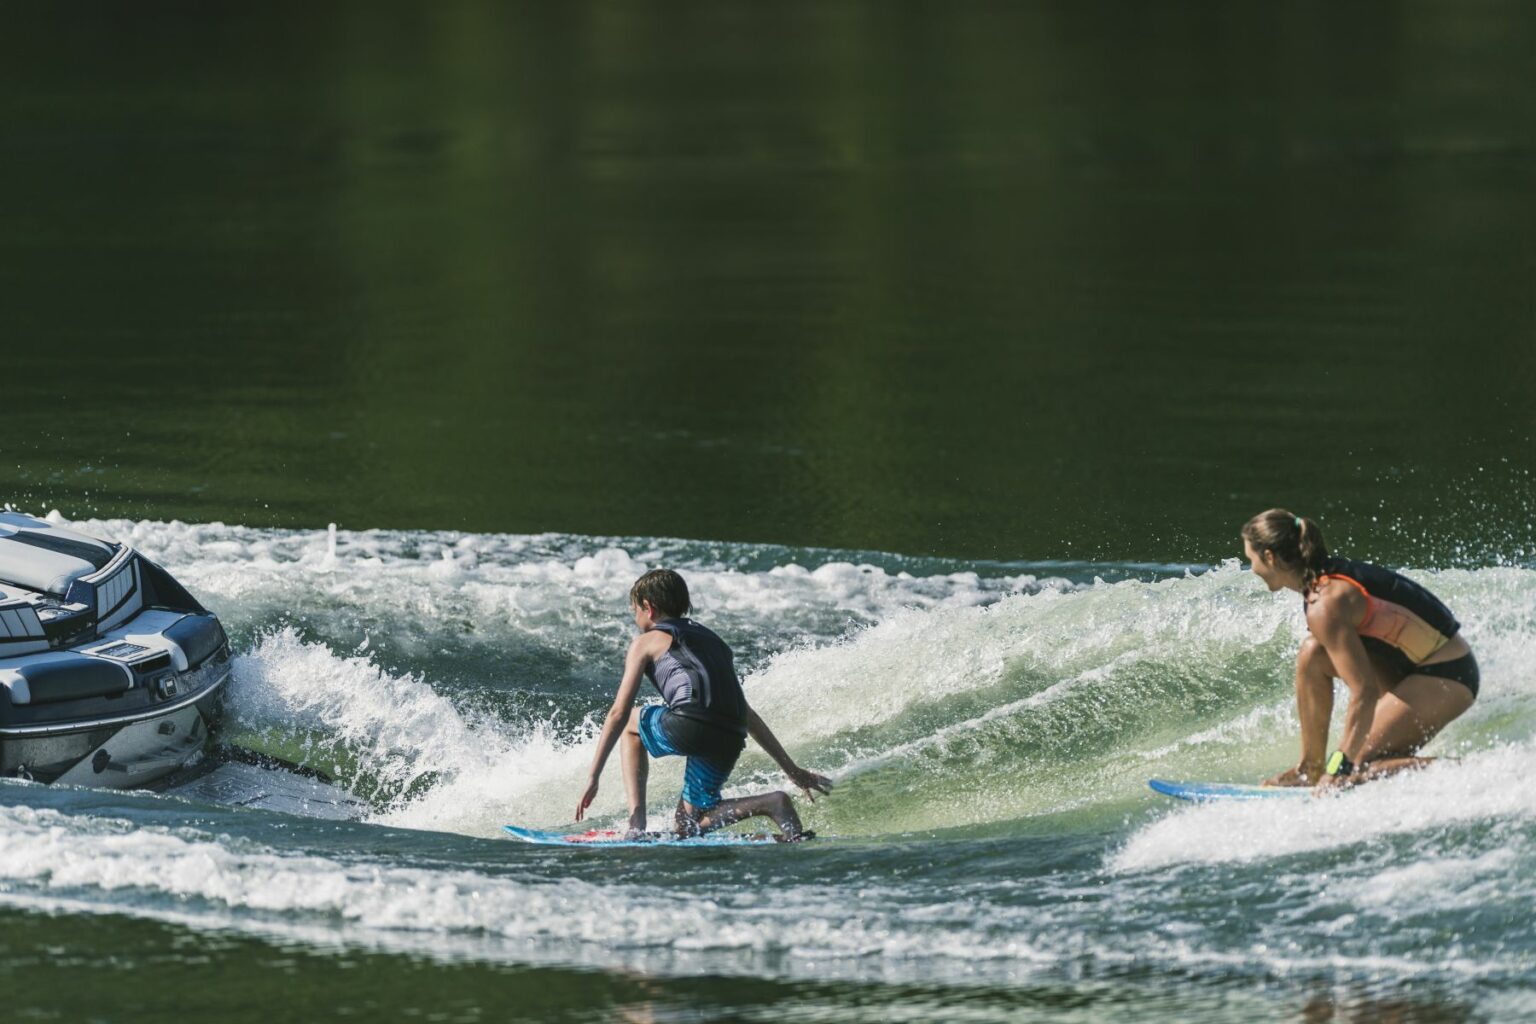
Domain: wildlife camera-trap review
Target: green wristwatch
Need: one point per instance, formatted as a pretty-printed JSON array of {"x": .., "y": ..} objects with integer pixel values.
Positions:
[{"x": 1340, "y": 764}]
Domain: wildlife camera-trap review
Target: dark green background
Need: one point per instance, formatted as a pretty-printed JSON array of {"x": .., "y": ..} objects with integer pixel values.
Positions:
[{"x": 994, "y": 280}]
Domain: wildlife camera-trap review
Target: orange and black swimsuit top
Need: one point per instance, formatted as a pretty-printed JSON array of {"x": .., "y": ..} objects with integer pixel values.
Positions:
[{"x": 1399, "y": 613}]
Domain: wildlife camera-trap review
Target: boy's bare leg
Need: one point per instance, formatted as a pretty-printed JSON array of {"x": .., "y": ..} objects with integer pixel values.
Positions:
[
  {"x": 637, "y": 768},
  {"x": 776, "y": 805}
]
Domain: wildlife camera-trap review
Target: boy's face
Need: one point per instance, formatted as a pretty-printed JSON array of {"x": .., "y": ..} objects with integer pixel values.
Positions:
[{"x": 645, "y": 615}]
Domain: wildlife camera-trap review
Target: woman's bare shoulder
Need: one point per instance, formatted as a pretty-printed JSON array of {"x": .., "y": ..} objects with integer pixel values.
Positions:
[{"x": 1334, "y": 600}]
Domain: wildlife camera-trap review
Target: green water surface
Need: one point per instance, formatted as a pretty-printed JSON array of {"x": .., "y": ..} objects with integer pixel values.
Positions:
[{"x": 996, "y": 280}]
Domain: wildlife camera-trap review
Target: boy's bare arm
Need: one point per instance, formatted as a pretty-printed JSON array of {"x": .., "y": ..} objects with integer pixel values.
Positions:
[
  {"x": 810, "y": 782},
  {"x": 617, "y": 718}
]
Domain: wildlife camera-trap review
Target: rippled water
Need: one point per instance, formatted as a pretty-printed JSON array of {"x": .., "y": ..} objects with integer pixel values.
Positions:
[{"x": 991, "y": 845}]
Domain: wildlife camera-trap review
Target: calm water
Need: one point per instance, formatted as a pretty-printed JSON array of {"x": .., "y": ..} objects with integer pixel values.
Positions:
[{"x": 948, "y": 336}]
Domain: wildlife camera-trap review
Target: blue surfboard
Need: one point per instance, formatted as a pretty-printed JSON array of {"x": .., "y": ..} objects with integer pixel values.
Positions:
[
  {"x": 1210, "y": 792},
  {"x": 610, "y": 839}
]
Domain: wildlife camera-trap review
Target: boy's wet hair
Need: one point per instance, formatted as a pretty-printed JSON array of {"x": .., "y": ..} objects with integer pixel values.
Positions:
[{"x": 665, "y": 590}]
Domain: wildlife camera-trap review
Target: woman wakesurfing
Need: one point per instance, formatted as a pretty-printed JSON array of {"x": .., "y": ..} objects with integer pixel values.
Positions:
[{"x": 1396, "y": 646}]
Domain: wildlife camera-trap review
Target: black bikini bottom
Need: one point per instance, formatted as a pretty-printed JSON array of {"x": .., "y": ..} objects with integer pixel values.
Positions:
[
  {"x": 1461, "y": 670},
  {"x": 1398, "y": 666}
]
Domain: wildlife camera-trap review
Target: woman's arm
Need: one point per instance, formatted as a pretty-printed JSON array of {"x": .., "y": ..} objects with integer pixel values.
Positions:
[
  {"x": 1334, "y": 620},
  {"x": 810, "y": 782}
]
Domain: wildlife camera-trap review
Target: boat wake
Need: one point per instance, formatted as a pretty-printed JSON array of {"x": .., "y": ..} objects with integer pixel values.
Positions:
[
  {"x": 454, "y": 681},
  {"x": 991, "y": 729}
]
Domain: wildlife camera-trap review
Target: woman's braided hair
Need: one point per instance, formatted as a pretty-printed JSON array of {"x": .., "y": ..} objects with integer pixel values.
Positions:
[{"x": 1296, "y": 542}]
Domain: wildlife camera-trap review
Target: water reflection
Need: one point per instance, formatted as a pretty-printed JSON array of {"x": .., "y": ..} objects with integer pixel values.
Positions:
[{"x": 1330, "y": 1007}]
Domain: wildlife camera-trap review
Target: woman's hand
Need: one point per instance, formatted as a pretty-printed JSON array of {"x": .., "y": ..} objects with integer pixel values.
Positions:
[
  {"x": 587, "y": 798},
  {"x": 1336, "y": 783},
  {"x": 1301, "y": 775}
]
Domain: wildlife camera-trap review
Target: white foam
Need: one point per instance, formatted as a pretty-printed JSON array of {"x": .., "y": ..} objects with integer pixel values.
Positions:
[
  {"x": 106, "y": 864},
  {"x": 859, "y": 669},
  {"x": 1442, "y": 884},
  {"x": 543, "y": 907},
  {"x": 916, "y": 657},
  {"x": 484, "y": 772},
  {"x": 578, "y": 580},
  {"x": 1480, "y": 788},
  {"x": 862, "y": 669}
]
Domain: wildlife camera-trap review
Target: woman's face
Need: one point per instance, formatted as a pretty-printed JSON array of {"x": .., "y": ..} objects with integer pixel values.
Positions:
[{"x": 1265, "y": 567}]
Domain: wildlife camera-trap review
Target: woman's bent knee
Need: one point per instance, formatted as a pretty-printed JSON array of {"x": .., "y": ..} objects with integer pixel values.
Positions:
[{"x": 1313, "y": 660}]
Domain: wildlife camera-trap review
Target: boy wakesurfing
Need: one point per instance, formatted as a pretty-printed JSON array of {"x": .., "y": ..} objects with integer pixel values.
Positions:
[{"x": 706, "y": 719}]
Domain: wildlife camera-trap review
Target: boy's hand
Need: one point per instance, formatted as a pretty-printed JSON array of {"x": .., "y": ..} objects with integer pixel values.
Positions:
[
  {"x": 586, "y": 798},
  {"x": 809, "y": 782}
]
